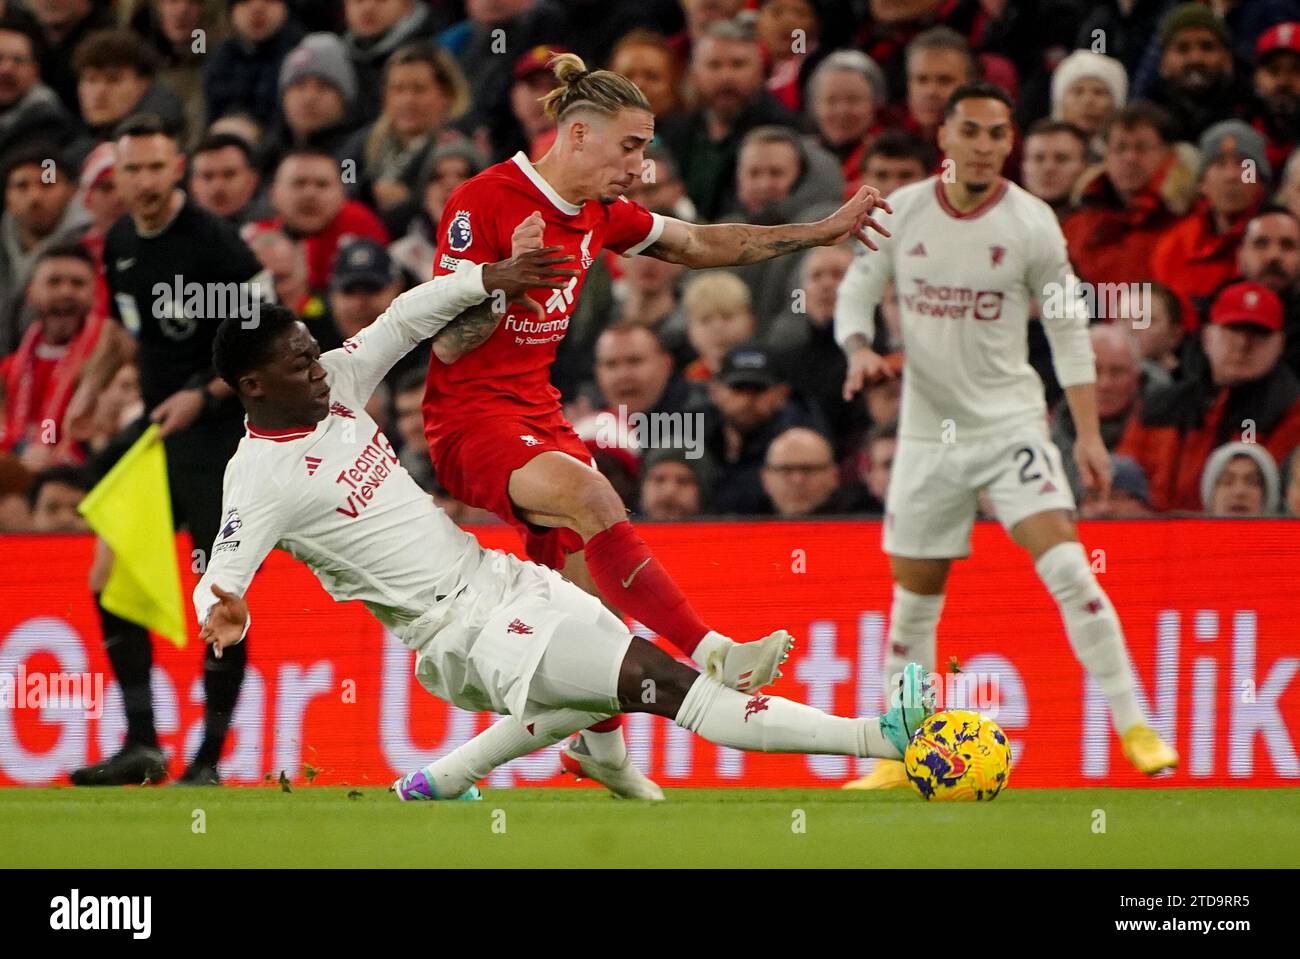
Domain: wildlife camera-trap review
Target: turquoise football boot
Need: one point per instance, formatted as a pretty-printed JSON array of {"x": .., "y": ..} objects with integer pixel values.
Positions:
[
  {"x": 914, "y": 701},
  {"x": 416, "y": 786}
]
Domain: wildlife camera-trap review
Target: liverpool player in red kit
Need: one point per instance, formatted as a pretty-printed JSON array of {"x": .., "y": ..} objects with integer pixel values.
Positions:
[{"x": 496, "y": 431}]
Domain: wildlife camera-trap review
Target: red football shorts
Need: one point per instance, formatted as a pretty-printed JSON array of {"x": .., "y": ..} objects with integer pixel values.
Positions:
[{"x": 474, "y": 464}]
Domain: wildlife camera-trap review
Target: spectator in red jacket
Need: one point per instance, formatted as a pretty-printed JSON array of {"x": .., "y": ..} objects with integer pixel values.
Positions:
[
  {"x": 1199, "y": 252},
  {"x": 310, "y": 206},
  {"x": 39, "y": 377},
  {"x": 1243, "y": 393},
  {"x": 1127, "y": 205}
]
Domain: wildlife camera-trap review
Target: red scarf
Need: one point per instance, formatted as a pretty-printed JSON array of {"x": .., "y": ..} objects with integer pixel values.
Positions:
[{"x": 22, "y": 407}]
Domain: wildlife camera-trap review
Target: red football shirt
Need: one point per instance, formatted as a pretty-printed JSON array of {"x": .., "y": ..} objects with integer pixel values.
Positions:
[{"x": 510, "y": 373}]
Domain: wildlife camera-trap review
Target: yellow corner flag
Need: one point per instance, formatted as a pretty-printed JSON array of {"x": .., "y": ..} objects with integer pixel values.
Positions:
[{"x": 131, "y": 510}]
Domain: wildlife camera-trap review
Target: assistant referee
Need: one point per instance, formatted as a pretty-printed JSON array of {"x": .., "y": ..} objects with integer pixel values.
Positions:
[{"x": 167, "y": 262}]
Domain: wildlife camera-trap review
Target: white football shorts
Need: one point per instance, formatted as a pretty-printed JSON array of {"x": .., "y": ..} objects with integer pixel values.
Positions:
[
  {"x": 483, "y": 651},
  {"x": 934, "y": 490}
]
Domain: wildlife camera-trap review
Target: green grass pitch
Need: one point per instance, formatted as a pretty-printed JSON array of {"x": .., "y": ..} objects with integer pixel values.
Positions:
[{"x": 337, "y": 826}]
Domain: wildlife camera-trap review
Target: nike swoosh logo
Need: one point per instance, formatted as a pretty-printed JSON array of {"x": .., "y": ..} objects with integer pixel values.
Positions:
[{"x": 627, "y": 583}]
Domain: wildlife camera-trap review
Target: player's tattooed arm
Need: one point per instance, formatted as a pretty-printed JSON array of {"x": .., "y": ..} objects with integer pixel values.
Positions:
[
  {"x": 728, "y": 244},
  {"x": 508, "y": 281},
  {"x": 734, "y": 244},
  {"x": 467, "y": 332}
]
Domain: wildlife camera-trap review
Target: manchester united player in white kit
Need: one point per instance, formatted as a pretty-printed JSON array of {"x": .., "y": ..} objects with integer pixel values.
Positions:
[
  {"x": 967, "y": 254},
  {"x": 316, "y": 477}
]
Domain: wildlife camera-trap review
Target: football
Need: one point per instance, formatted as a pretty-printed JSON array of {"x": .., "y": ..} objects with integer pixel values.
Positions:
[{"x": 958, "y": 754}]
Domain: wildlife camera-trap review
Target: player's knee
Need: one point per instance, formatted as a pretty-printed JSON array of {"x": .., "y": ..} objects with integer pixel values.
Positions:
[
  {"x": 595, "y": 505},
  {"x": 1064, "y": 570}
]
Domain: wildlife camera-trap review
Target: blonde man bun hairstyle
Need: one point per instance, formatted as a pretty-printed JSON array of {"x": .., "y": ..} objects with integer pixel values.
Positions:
[{"x": 603, "y": 91}]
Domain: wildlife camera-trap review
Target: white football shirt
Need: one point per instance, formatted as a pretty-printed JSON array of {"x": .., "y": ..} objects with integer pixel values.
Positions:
[
  {"x": 308, "y": 490},
  {"x": 965, "y": 283}
]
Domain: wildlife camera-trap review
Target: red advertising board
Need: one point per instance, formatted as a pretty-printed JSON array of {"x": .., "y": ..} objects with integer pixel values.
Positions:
[{"x": 1209, "y": 608}]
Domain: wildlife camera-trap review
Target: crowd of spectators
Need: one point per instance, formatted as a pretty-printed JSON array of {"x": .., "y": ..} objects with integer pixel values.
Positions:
[{"x": 328, "y": 134}]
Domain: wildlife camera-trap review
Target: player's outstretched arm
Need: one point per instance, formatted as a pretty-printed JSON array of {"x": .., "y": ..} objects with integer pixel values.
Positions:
[
  {"x": 733, "y": 244},
  {"x": 506, "y": 282}
]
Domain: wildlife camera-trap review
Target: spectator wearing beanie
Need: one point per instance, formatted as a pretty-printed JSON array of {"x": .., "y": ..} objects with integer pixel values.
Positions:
[
  {"x": 1240, "y": 479},
  {"x": 1087, "y": 90},
  {"x": 243, "y": 72},
  {"x": 674, "y": 487},
  {"x": 1128, "y": 202},
  {"x": 1199, "y": 252},
  {"x": 1244, "y": 391},
  {"x": 97, "y": 194},
  {"x": 318, "y": 93},
  {"x": 1275, "y": 108},
  {"x": 1245, "y": 20},
  {"x": 1197, "y": 80},
  {"x": 1129, "y": 496}
]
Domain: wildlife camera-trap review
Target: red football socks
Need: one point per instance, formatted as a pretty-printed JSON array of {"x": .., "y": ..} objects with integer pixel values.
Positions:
[{"x": 631, "y": 578}]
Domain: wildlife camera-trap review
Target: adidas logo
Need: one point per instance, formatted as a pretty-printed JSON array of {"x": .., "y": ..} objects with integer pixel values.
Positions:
[
  {"x": 918, "y": 250},
  {"x": 312, "y": 463},
  {"x": 1048, "y": 487}
]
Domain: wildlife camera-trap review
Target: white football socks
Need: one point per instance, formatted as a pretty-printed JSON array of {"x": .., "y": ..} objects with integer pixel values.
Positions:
[
  {"x": 1093, "y": 628},
  {"x": 504, "y": 740},
  {"x": 913, "y": 623},
  {"x": 609, "y": 748},
  {"x": 772, "y": 724}
]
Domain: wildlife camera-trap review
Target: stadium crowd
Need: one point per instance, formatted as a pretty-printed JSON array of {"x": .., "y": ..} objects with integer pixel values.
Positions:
[{"x": 327, "y": 135}]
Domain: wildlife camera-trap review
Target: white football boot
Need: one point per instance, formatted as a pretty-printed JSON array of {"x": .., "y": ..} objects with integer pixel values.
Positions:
[
  {"x": 625, "y": 781},
  {"x": 746, "y": 667}
]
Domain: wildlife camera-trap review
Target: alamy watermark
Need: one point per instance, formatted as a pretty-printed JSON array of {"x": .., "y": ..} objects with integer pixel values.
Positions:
[
  {"x": 181, "y": 303},
  {"x": 1127, "y": 302},
  {"x": 975, "y": 691},
  {"x": 63, "y": 691},
  {"x": 619, "y": 429}
]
